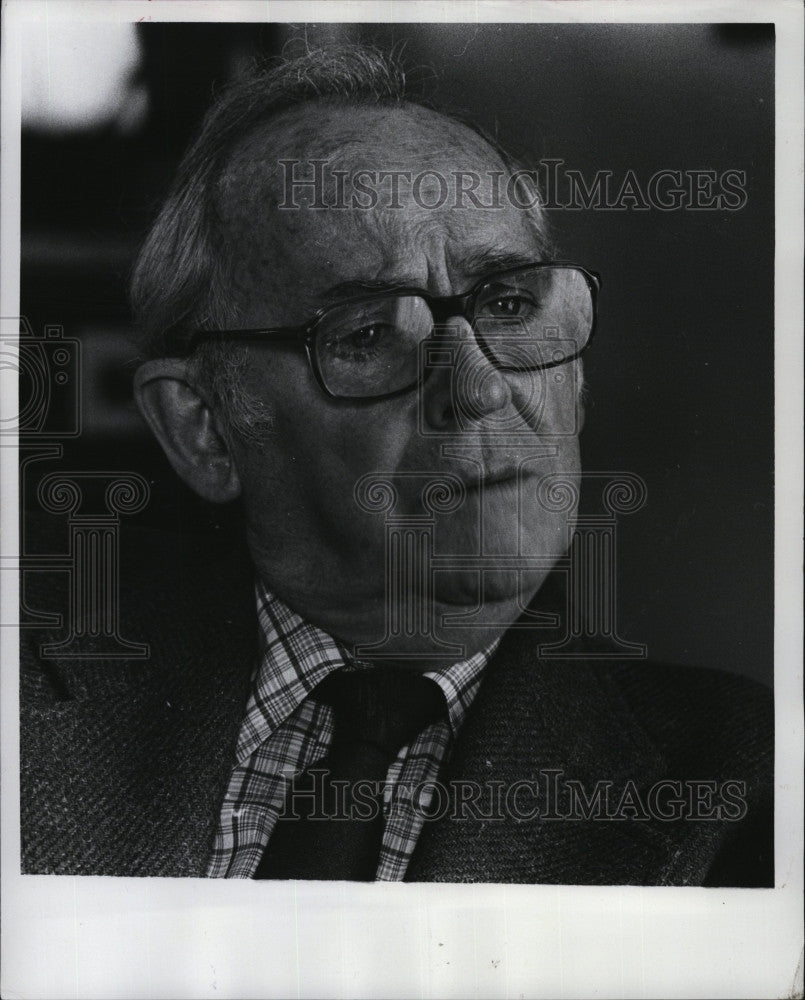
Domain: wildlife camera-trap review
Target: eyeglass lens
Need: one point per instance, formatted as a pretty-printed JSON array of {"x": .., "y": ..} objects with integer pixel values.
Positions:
[{"x": 526, "y": 320}]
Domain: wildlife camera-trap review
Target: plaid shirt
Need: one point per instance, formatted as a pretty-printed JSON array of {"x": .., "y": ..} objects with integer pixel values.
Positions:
[{"x": 284, "y": 732}]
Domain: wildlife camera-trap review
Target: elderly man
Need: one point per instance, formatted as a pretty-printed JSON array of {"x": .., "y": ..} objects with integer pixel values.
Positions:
[{"x": 356, "y": 326}]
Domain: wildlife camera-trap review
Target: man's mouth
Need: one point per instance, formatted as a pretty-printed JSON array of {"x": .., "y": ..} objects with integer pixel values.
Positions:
[
  {"x": 496, "y": 478},
  {"x": 499, "y": 477}
]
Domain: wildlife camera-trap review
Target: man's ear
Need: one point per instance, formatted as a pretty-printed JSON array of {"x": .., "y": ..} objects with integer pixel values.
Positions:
[{"x": 186, "y": 427}]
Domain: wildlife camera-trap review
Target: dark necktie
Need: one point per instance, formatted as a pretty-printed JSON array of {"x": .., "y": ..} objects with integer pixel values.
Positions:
[{"x": 376, "y": 712}]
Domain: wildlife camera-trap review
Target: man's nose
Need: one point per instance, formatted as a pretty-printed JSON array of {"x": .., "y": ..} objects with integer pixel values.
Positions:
[{"x": 467, "y": 387}]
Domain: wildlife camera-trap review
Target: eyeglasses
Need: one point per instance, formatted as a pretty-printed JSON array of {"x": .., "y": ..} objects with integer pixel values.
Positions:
[{"x": 368, "y": 347}]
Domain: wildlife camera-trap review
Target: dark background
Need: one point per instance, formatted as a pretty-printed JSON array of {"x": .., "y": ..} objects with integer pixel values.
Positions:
[{"x": 681, "y": 375}]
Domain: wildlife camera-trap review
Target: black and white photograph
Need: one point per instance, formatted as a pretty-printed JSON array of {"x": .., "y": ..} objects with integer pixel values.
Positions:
[{"x": 402, "y": 476}]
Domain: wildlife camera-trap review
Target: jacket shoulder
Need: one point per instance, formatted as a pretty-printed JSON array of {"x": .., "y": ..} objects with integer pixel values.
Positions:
[
  {"x": 172, "y": 597},
  {"x": 127, "y": 737},
  {"x": 697, "y": 712}
]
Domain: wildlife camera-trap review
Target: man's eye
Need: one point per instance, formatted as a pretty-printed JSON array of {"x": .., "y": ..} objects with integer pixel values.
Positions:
[
  {"x": 506, "y": 306},
  {"x": 361, "y": 344}
]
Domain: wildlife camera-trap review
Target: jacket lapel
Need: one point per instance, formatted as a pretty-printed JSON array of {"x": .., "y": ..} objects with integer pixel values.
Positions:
[{"x": 542, "y": 722}]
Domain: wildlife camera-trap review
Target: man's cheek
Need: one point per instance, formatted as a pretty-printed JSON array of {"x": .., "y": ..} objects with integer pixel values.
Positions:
[
  {"x": 375, "y": 439},
  {"x": 548, "y": 400}
]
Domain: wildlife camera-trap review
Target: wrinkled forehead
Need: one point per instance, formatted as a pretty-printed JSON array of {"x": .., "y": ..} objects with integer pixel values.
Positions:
[
  {"x": 326, "y": 192},
  {"x": 354, "y": 137}
]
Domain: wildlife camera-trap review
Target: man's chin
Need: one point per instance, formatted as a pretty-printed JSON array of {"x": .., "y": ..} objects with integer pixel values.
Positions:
[{"x": 496, "y": 592}]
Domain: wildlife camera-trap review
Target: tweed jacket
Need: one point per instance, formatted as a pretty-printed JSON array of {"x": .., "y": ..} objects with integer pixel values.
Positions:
[{"x": 124, "y": 762}]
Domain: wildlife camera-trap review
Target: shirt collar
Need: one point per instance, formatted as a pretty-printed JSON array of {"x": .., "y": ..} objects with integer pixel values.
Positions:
[
  {"x": 296, "y": 656},
  {"x": 460, "y": 682}
]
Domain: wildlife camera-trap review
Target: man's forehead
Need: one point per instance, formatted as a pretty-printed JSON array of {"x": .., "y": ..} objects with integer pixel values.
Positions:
[
  {"x": 374, "y": 137},
  {"x": 280, "y": 239}
]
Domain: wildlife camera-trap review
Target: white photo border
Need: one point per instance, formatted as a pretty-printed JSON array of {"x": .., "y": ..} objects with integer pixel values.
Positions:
[{"x": 99, "y": 937}]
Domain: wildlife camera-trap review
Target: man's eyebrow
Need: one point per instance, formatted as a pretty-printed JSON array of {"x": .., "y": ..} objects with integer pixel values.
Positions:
[
  {"x": 475, "y": 264},
  {"x": 496, "y": 259},
  {"x": 347, "y": 289}
]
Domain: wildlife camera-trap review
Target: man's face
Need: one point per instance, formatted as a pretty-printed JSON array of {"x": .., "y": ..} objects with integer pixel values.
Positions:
[{"x": 312, "y": 542}]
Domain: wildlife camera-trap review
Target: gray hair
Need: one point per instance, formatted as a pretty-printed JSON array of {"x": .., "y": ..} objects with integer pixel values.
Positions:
[{"x": 180, "y": 279}]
